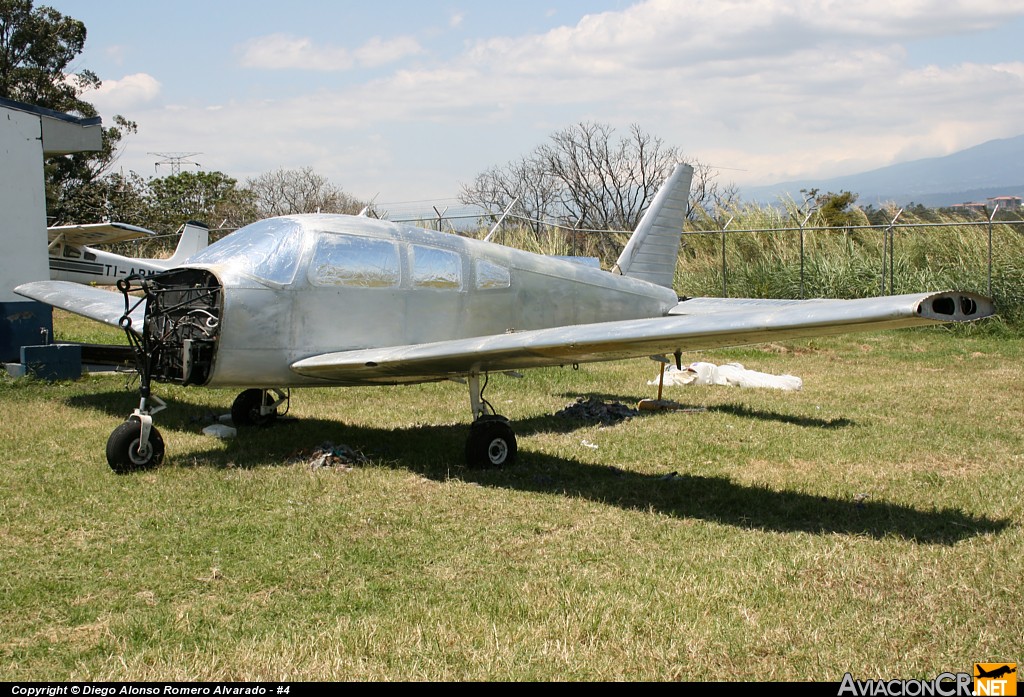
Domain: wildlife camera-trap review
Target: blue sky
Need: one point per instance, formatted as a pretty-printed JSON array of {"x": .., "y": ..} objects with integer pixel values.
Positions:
[{"x": 406, "y": 101}]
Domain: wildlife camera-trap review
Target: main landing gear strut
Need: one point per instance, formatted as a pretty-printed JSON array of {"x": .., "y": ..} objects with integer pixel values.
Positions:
[
  {"x": 258, "y": 407},
  {"x": 492, "y": 443}
]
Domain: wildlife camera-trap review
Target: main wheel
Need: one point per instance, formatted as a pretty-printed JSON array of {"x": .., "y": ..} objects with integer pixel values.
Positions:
[
  {"x": 492, "y": 443},
  {"x": 126, "y": 454},
  {"x": 246, "y": 409}
]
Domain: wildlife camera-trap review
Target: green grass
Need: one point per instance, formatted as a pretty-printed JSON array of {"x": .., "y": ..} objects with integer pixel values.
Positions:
[{"x": 758, "y": 560}]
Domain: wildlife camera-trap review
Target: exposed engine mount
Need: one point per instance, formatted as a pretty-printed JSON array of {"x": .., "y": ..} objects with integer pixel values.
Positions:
[{"x": 179, "y": 338}]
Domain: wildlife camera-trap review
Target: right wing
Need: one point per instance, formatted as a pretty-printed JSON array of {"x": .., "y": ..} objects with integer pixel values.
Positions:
[{"x": 102, "y": 305}]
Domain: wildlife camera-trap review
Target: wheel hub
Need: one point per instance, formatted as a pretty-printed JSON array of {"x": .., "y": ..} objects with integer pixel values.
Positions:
[{"x": 497, "y": 451}]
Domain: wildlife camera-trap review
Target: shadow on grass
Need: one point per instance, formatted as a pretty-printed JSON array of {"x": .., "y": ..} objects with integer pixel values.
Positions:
[
  {"x": 436, "y": 452},
  {"x": 809, "y": 421},
  {"x": 733, "y": 409}
]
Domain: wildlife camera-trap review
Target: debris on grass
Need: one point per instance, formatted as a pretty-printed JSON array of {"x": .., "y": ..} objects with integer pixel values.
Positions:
[
  {"x": 220, "y": 431},
  {"x": 328, "y": 454},
  {"x": 733, "y": 374},
  {"x": 593, "y": 409}
]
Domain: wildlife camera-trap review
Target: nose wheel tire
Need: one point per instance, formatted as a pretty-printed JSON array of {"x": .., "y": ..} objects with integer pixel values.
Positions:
[
  {"x": 125, "y": 452},
  {"x": 491, "y": 444}
]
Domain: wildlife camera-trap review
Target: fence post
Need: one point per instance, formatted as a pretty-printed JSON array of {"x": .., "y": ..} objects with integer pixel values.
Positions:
[
  {"x": 809, "y": 213},
  {"x": 440, "y": 216},
  {"x": 990, "y": 219},
  {"x": 888, "y": 235},
  {"x": 725, "y": 285}
]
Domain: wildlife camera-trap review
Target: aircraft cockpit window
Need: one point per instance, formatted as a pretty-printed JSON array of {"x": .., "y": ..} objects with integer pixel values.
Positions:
[
  {"x": 72, "y": 252},
  {"x": 359, "y": 262},
  {"x": 436, "y": 268},
  {"x": 268, "y": 250},
  {"x": 490, "y": 275}
]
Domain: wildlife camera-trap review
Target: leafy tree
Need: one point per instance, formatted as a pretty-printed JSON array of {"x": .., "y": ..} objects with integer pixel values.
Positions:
[
  {"x": 836, "y": 210},
  {"x": 210, "y": 197},
  {"x": 37, "y": 44},
  {"x": 116, "y": 196},
  {"x": 36, "y": 47}
]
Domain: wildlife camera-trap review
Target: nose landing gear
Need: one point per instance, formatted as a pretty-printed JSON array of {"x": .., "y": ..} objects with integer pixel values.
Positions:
[{"x": 176, "y": 344}]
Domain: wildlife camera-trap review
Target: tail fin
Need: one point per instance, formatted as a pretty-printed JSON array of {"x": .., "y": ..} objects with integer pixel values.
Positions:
[
  {"x": 652, "y": 251},
  {"x": 194, "y": 238}
]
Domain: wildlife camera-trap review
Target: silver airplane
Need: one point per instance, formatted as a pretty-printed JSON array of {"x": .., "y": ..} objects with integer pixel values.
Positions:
[
  {"x": 315, "y": 300},
  {"x": 72, "y": 258}
]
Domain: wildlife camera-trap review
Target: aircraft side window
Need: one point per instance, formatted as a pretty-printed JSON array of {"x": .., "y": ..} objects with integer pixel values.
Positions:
[
  {"x": 359, "y": 262},
  {"x": 89, "y": 256},
  {"x": 490, "y": 275},
  {"x": 72, "y": 252},
  {"x": 436, "y": 268}
]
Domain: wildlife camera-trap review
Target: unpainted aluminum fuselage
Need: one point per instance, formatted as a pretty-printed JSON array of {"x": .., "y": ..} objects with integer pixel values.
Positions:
[{"x": 302, "y": 286}]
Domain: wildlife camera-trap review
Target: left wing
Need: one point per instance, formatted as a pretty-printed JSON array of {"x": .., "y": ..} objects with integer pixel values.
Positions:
[
  {"x": 700, "y": 323},
  {"x": 96, "y": 233}
]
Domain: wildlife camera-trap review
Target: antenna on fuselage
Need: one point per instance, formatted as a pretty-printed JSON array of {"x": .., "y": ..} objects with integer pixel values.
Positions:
[
  {"x": 500, "y": 220},
  {"x": 368, "y": 209}
]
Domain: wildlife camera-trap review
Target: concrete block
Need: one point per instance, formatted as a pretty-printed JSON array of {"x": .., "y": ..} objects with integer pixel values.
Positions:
[{"x": 53, "y": 362}]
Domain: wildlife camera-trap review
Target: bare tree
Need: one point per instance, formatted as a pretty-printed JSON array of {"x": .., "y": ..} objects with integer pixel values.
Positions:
[
  {"x": 607, "y": 183},
  {"x": 536, "y": 193},
  {"x": 288, "y": 191},
  {"x": 592, "y": 179}
]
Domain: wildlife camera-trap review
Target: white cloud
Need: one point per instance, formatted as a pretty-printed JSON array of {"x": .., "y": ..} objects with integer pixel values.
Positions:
[
  {"x": 129, "y": 92},
  {"x": 781, "y": 89},
  {"x": 376, "y": 51},
  {"x": 115, "y": 53},
  {"x": 816, "y": 82},
  {"x": 280, "y": 51},
  {"x": 284, "y": 51}
]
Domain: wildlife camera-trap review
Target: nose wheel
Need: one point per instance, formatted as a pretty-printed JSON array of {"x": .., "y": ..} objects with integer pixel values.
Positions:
[{"x": 129, "y": 450}]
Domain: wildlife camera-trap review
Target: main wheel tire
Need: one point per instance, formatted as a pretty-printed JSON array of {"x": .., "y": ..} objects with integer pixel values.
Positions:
[
  {"x": 126, "y": 454},
  {"x": 491, "y": 444},
  {"x": 246, "y": 409}
]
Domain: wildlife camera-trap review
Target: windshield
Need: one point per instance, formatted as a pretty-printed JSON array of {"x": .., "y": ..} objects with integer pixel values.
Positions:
[{"x": 268, "y": 249}]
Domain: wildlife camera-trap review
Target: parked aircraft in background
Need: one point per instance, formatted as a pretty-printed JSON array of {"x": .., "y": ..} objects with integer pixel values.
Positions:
[
  {"x": 317, "y": 300},
  {"x": 73, "y": 258}
]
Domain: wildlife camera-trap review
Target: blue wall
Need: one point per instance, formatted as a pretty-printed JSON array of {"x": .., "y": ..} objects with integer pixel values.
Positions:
[{"x": 21, "y": 324}]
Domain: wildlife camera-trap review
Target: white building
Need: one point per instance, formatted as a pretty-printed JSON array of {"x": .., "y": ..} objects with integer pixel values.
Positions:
[{"x": 27, "y": 135}]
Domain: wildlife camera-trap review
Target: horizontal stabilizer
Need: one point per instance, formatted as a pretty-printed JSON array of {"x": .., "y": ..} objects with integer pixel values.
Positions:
[{"x": 96, "y": 233}]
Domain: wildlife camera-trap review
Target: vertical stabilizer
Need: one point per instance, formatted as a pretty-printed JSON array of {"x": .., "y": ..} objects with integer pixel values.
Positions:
[
  {"x": 651, "y": 252},
  {"x": 195, "y": 237}
]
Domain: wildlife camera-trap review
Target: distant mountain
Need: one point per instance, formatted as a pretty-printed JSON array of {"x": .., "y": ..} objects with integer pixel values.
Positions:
[{"x": 994, "y": 168}]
